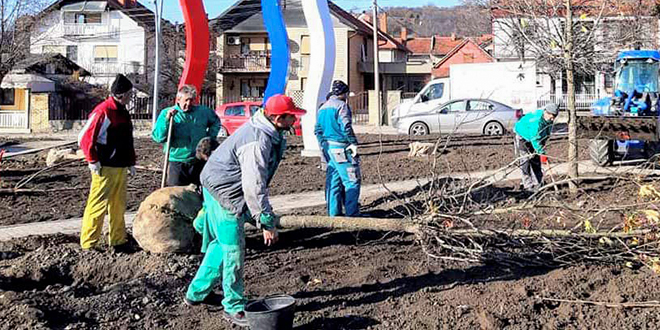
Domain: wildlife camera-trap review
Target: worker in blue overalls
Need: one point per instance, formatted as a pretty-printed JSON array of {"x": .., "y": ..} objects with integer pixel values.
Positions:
[{"x": 338, "y": 143}]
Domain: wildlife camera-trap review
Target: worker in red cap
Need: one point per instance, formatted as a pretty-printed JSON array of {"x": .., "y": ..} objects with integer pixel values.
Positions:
[{"x": 235, "y": 189}]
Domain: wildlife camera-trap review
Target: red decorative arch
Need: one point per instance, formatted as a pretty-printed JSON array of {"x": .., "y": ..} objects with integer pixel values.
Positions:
[{"x": 197, "y": 44}]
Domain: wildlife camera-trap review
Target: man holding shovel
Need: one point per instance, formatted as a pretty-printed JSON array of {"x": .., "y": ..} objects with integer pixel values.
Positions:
[
  {"x": 532, "y": 133},
  {"x": 235, "y": 187},
  {"x": 190, "y": 123}
]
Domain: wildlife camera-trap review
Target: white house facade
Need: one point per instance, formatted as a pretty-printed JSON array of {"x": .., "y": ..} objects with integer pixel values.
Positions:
[{"x": 96, "y": 35}]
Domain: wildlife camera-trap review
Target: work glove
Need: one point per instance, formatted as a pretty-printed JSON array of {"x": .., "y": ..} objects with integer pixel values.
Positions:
[
  {"x": 95, "y": 167},
  {"x": 353, "y": 149},
  {"x": 544, "y": 159},
  {"x": 131, "y": 171},
  {"x": 269, "y": 220}
]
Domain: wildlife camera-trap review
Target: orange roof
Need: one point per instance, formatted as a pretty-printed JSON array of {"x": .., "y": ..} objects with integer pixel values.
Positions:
[{"x": 442, "y": 46}]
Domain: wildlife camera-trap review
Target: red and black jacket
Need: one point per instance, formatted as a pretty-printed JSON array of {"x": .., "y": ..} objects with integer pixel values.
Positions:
[{"x": 108, "y": 135}]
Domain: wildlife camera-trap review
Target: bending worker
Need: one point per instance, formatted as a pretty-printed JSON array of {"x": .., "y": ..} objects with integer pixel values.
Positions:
[
  {"x": 235, "y": 188},
  {"x": 532, "y": 133},
  {"x": 107, "y": 141},
  {"x": 191, "y": 124},
  {"x": 334, "y": 132}
]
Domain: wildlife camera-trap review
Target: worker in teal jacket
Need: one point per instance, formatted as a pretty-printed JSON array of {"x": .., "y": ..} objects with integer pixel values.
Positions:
[
  {"x": 334, "y": 132},
  {"x": 532, "y": 133},
  {"x": 191, "y": 124}
]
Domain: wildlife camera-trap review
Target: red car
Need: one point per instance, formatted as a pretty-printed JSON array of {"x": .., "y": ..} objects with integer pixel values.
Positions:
[{"x": 233, "y": 115}]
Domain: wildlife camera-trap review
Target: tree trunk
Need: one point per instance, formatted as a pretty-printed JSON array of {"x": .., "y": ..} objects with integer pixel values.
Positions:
[{"x": 572, "y": 115}]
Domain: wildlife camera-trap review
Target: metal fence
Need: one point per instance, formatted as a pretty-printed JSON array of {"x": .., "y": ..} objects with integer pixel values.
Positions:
[
  {"x": 76, "y": 107},
  {"x": 360, "y": 106},
  {"x": 582, "y": 101}
]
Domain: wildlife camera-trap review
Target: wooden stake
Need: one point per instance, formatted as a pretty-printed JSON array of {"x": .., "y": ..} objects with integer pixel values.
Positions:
[{"x": 166, "y": 162}]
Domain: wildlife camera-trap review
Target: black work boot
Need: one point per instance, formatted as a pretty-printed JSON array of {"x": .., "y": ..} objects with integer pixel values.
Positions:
[
  {"x": 237, "y": 319},
  {"x": 212, "y": 299}
]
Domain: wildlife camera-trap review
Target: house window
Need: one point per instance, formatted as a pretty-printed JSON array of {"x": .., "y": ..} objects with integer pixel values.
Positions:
[
  {"x": 468, "y": 58},
  {"x": 253, "y": 88},
  {"x": 7, "y": 96},
  {"x": 305, "y": 45},
  {"x": 105, "y": 54},
  {"x": 83, "y": 18},
  {"x": 72, "y": 53},
  {"x": 304, "y": 63}
]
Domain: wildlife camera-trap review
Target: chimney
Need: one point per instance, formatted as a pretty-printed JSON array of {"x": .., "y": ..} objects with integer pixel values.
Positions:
[
  {"x": 453, "y": 36},
  {"x": 127, "y": 3},
  {"x": 404, "y": 34},
  {"x": 365, "y": 18},
  {"x": 383, "y": 22}
]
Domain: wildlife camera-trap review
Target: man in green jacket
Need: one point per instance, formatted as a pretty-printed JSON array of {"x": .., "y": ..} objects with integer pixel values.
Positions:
[
  {"x": 532, "y": 133},
  {"x": 191, "y": 124}
]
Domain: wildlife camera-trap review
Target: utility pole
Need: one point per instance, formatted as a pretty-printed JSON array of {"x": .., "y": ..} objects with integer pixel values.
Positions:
[
  {"x": 376, "y": 62},
  {"x": 159, "y": 13}
]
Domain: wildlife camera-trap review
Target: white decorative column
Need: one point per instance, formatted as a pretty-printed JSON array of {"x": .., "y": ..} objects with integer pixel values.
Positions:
[{"x": 321, "y": 68}]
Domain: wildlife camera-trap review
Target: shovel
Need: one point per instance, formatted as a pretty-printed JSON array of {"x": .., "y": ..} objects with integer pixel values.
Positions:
[
  {"x": 548, "y": 170},
  {"x": 166, "y": 162}
]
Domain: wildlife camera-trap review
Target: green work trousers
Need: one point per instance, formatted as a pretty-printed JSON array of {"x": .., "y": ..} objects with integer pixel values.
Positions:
[{"x": 223, "y": 241}]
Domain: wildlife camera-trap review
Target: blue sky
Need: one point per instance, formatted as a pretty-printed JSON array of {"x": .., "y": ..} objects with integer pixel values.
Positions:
[{"x": 172, "y": 11}]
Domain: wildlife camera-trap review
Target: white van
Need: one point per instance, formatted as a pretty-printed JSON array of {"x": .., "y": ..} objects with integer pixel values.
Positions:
[{"x": 511, "y": 83}]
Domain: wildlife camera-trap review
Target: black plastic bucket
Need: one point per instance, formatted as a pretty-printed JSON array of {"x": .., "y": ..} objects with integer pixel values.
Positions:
[{"x": 271, "y": 313}]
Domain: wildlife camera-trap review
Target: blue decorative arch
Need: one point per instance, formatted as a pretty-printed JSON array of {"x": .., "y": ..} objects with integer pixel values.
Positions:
[{"x": 280, "y": 57}]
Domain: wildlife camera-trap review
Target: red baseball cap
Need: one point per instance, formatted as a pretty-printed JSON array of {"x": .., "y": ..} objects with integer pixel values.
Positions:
[{"x": 279, "y": 104}]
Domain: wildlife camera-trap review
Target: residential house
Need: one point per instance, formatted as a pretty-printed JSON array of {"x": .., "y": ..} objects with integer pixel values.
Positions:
[
  {"x": 621, "y": 25},
  {"x": 41, "y": 92},
  {"x": 105, "y": 37},
  {"x": 243, "y": 51},
  {"x": 468, "y": 51},
  {"x": 432, "y": 52}
]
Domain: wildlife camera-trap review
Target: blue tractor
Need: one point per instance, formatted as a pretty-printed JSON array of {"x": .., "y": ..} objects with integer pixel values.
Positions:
[{"x": 626, "y": 123}]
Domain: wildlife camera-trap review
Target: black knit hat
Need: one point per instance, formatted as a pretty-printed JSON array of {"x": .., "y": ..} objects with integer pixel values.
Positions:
[
  {"x": 339, "y": 87},
  {"x": 121, "y": 85}
]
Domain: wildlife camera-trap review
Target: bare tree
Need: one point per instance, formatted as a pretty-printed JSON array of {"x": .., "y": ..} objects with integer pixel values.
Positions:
[
  {"x": 572, "y": 37},
  {"x": 16, "y": 20}
]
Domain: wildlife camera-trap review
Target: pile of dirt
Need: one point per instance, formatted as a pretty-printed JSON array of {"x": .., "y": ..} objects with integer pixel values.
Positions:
[{"x": 341, "y": 280}]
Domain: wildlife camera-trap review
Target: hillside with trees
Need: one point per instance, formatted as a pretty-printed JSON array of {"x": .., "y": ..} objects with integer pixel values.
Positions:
[{"x": 464, "y": 20}]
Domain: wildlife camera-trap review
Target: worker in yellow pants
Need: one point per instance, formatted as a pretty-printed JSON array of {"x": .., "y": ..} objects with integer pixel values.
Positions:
[
  {"x": 107, "y": 142},
  {"x": 107, "y": 196}
]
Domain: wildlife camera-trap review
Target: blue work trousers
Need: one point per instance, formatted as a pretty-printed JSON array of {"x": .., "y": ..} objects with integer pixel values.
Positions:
[{"x": 342, "y": 180}]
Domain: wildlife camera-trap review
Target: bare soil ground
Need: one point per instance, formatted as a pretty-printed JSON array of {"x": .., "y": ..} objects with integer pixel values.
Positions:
[
  {"x": 342, "y": 280},
  {"x": 61, "y": 193}
]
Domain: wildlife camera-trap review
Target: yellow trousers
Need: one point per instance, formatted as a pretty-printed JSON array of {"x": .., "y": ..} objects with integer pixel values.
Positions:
[{"x": 107, "y": 195}]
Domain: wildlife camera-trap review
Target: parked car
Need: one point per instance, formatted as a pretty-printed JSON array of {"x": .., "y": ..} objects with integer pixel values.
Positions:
[
  {"x": 234, "y": 115},
  {"x": 474, "y": 116}
]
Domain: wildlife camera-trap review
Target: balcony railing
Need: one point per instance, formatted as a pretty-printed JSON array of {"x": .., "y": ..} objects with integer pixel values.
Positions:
[
  {"x": 13, "y": 119},
  {"x": 111, "y": 69},
  {"x": 90, "y": 30},
  {"x": 245, "y": 63}
]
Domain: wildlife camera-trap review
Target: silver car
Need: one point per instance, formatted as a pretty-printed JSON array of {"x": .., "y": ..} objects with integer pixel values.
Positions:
[{"x": 473, "y": 116}]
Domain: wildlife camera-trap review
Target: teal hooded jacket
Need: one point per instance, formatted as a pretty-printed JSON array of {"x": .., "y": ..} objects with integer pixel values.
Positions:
[
  {"x": 533, "y": 128},
  {"x": 188, "y": 128}
]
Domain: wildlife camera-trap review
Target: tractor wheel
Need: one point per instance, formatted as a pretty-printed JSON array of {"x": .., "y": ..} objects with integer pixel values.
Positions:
[
  {"x": 652, "y": 151},
  {"x": 601, "y": 152}
]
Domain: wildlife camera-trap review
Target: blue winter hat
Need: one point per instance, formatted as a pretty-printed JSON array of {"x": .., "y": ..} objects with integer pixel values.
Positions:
[{"x": 339, "y": 88}]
